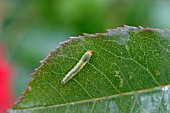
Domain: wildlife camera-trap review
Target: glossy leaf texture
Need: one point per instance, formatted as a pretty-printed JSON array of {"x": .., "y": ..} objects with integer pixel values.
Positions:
[{"x": 129, "y": 71}]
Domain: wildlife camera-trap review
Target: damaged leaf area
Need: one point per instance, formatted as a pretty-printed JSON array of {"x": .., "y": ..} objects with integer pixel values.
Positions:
[{"x": 129, "y": 71}]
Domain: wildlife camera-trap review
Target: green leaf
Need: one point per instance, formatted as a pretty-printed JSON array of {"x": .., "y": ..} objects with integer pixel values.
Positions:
[{"x": 129, "y": 71}]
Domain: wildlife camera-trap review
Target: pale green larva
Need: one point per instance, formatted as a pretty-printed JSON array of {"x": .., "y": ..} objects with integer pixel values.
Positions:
[{"x": 82, "y": 62}]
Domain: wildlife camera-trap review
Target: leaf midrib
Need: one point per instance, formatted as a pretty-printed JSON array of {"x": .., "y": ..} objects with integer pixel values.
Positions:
[{"x": 100, "y": 98}]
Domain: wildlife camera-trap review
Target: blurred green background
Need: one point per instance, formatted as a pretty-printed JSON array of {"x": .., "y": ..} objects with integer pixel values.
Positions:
[{"x": 29, "y": 28}]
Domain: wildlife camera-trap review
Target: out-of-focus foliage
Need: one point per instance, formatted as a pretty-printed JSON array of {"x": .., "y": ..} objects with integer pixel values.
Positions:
[{"x": 31, "y": 28}]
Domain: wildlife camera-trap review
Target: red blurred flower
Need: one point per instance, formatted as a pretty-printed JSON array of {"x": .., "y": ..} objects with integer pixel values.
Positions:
[{"x": 5, "y": 83}]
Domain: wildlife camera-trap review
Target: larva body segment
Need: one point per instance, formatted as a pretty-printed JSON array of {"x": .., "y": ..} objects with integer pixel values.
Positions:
[{"x": 82, "y": 62}]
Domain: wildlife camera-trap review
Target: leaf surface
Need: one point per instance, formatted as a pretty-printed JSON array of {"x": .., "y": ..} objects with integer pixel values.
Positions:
[{"x": 129, "y": 71}]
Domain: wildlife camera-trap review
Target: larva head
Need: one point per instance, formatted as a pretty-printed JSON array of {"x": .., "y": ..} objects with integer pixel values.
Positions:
[
  {"x": 90, "y": 51},
  {"x": 86, "y": 56}
]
